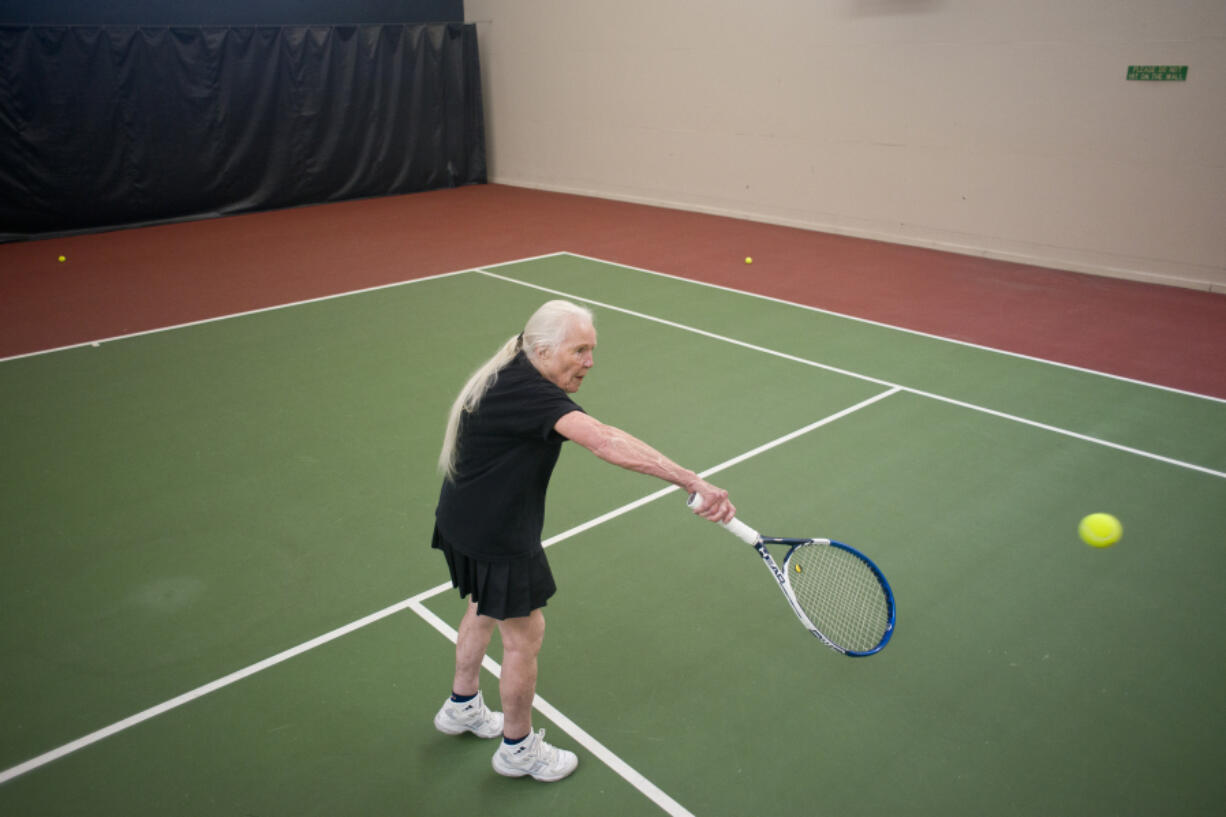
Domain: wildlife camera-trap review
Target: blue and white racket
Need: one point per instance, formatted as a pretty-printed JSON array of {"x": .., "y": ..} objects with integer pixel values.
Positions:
[{"x": 835, "y": 590}]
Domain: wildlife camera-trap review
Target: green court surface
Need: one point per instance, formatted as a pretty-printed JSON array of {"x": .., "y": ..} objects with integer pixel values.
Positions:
[{"x": 184, "y": 507}]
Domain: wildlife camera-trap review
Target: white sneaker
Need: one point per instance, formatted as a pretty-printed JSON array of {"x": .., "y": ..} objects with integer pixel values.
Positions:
[
  {"x": 535, "y": 757},
  {"x": 470, "y": 716}
]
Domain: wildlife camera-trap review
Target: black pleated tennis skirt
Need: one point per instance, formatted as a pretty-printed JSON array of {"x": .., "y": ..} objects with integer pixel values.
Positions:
[{"x": 502, "y": 590}]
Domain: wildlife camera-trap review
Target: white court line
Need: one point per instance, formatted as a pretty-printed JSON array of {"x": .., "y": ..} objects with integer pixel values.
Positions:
[
  {"x": 274, "y": 308},
  {"x": 1191, "y": 466},
  {"x": 918, "y": 392},
  {"x": 199, "y": 692},
  {"x": 694, "y": 281},
  {"x": 916, "y": 332},
  {"x": 415, "y": 603},
  {"x": 602, "y": 752}
]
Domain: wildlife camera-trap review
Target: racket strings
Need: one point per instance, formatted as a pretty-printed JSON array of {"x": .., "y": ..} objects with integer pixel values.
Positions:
[{"x": 840, "y": 594}]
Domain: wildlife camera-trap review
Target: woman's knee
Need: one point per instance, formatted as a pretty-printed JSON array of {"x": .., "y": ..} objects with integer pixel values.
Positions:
[{"x": 523, "y": 634}]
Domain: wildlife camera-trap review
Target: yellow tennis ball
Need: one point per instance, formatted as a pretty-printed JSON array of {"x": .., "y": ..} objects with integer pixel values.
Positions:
[
  {"x": 1100, "y": 530},
  {"x": 748, "y": 260},
  {"x": 63, "y": 259}
]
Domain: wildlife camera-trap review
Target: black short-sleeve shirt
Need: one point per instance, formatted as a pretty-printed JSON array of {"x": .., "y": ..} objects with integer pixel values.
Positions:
[{"x": 495, "y": 507}]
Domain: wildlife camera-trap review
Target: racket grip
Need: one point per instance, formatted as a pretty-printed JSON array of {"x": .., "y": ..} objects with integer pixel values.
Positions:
[
  {"x": 736, "y": 527},
  {"x": 742, "y": 531}
]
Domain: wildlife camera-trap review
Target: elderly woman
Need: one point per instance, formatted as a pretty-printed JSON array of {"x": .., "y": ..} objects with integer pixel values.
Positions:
[{"x": 503, "y": 438}]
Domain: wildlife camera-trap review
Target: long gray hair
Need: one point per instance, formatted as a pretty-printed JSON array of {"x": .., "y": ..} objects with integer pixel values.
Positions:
[{"x": 546, "y": 329}]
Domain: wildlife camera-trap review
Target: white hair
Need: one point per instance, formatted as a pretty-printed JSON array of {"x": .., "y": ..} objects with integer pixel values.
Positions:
[{"x": 546, "y": 330}]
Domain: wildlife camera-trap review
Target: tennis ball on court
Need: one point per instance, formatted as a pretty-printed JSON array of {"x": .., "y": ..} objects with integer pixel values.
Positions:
[
  {"x": 1100, "y": 530},
  {"x": 63, "y": 258},
  {"x": 748, "y": 260}
]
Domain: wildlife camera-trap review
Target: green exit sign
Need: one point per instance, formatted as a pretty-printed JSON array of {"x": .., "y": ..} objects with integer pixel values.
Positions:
[{"x": 1158, "y": 73}]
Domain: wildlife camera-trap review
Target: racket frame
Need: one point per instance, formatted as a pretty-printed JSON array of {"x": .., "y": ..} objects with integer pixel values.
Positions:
[
  {"x": 785, "y": 584},
  {"x": 759, "y": 542}
]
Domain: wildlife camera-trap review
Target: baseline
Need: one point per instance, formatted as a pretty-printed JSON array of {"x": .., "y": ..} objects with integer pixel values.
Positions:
[
  {"x": 868, "y": 322},
  {"x": 273, "y": 308}
]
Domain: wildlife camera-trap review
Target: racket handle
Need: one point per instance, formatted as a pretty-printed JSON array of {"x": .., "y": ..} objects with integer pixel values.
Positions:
[{"x": 736, "y": 527}]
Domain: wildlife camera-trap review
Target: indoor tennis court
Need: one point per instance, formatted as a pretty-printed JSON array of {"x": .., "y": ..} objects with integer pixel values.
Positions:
[
  {"x": 240, "y": 503},
  {"x": 933, "y": 278}
]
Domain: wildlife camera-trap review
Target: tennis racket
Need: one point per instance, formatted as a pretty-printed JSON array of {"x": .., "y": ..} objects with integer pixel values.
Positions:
[{"x": 835, "y": 590}]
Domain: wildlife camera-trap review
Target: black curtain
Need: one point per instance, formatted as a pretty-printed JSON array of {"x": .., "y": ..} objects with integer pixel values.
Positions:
[
  {"x": 104, "y": 126},
  {"x": 227, "y": 12}
]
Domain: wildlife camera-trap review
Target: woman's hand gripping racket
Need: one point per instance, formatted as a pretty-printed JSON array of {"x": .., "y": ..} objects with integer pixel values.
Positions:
[{"x": 835, "y": 590}]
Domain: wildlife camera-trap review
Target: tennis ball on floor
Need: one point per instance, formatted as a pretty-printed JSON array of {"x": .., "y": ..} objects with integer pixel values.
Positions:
[
  {"x": 1100, "y": 530},
  {"x": 748, "y": 260},
  {"x": 63, "y": 258}
]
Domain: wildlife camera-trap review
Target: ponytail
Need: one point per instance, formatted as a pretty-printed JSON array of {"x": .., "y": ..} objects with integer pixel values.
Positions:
[{"x": 546, "y": 329}]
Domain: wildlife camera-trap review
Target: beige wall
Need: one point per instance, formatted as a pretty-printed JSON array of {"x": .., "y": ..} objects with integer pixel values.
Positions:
[{"x": 991, "y": 127}]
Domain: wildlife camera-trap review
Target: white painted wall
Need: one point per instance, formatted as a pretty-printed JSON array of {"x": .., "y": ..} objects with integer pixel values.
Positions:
[{"x": 991, "y": 127}]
